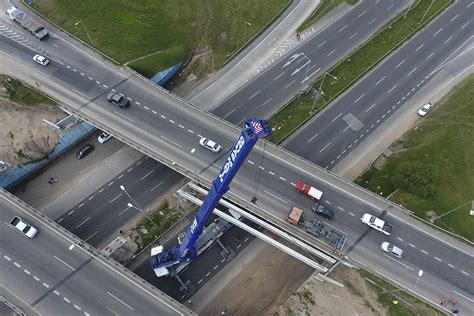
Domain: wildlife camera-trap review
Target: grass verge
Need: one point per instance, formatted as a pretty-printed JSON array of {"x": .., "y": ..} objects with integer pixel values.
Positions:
[
  {"x": 127, "y": 30},
  {"x": 164, "y": 217},
  {"x": 324, "y": 8},
  {"x": 398, "y": 30},
  {"x": 397, "y": 301},
  {"x": 433, "y": 172},
  {"x": 19, "y": 93}
]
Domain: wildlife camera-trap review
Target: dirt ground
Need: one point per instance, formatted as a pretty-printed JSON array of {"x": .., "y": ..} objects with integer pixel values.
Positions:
[{"x": 23, "y": 134}]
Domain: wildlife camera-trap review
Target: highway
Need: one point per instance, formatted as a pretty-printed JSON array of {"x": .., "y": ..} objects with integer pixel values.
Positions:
[
  {"x": 164, "y": 127},
  {"x": 334, "y": 133},
  {"x": 55, "y": 275},
  {"x": 278, "y": 84}
]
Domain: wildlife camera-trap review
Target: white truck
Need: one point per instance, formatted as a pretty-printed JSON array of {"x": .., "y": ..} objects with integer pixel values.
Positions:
[
  {"x": 376, "y": 223},
  {"x": 38, "y": 30}
]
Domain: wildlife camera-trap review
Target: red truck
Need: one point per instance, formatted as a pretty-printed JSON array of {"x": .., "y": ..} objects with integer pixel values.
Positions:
[{"x": 310, "y": 191}]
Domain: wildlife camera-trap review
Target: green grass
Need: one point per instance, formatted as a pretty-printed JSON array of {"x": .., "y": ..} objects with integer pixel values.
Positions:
[
  {"x": 127, "y": 30},
  {"x": 402, "y": 308},
  {"x": 19, "y": 93},
  {"x": 164, "y": 217},
  {"x": 324, "y": 8},
  {"x": 435, "y": 171},
  {"x": 297, "y": 112}
]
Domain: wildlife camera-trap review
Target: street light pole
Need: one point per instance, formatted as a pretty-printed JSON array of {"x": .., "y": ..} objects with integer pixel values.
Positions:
[
  {"x": 87, "y": 33},
  {"x": 137, "y": 207},
  {"x": 449, "y": 212},
  {"x": 245, "y": 30}
]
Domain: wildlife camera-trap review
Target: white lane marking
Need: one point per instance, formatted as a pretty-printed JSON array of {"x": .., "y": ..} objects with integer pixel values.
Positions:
[
  {"x": 120, "y": 176},
  {"x": 340, "y": 208},
  {"x": 411, "y": 245},
  {"x": 359, "y": 98},
  {"x": 60, "y": 220},
  {"x": 334, "y": 119},
  {"x": 146, "y": 175},
  {"x": 191, "y": 131},
  {"x": 370, "y": 108},
  {"x": 46, "y": 285},
  {"x": 391, "y": 6},
  {"x": 362, "y": 14},
  {"x": 424, "y": 251},
  {"x": 400, "y": 239},
  {"x": 154, "y": 112},
  {"x": 77, "y": 307},
  {"x": 156, "y": 186},
  {"x": 36, "y": 278},
  {"x": 98, "y": 82},
  {"x": 208, "y": 274},
  {"x": 276, "y": 197},
  {"x": 120, "y": 300},
  {"x": 436, "y": 33},
  {"x": 328, "y": 202},
  {"x": 253, "y": 95},
  {"x": 283, "y": 179},
  {"x": 78, "y": 92},
  {"x": 120, "y": 214},
  {"x": 312, "y": 74},
  {"x": 27, "y": 272},
  {"x": 251, "y": 162},
  {"x": 406, "y": 266},
  {"x": 163, "y": 117},
  {"x": 279, "y": 75},
  {"x": 100, "y": 191},
  {"x": 438, "y": 259},
  {"x": 170, "y": 141},
  {"x": 180, "y": 126},
  {"x": 464, "y": 272},
  {"x": 450, "y": 265},
  {"x": 267, "y": 101},
  {"x": 465, "y": 24},
  {"x": 401, "y": 63},
  {"x": 469, "y": 4},
  {"x": 137, "y": 103},
  {"x": 56, "y": 292},
  {"x": 419, "y": 47},
  {"x": 322, "y": 43},
  {"x": 111, "y": 201},
  {"x": 391, "y": 89},
  {"x": 324, "y": 147},
  {"x": 83, "y": 222},
  {"x": 229, "y": 113},
  {"x": 449, "y": 38},
  {"x": 271, "y": 172},
  {"x": 17, "y": 265},
  {"x": 467, "y": 298},
  {"x": 105, "y": 86},
  {"x": 146, "y": 108},
  {"x": 331, "y": 52},
  {"x": 127, "y": 118},
  {"x": 372, "y": 21},
  {"x": 111, "y": 183},
  {"x": 91, "y": 236},
  {"x": 171, "y": 121},
  {"x": 293, "y": 184},
  {"x": 90, "y": 198},
  {"x": 200, "y": 281},
  {"x": 454, "y": 18},
  {"x": 342, "y": 28},
  {"x": 66, "y": 300},
  {"x": 411, "y": 72},
  {"x": 261, "y": 167},
  {"x": 288, "y": 84},
  {"x": 429, "y": 56},
  {"x": 71, "y": 212},
  {"x": 67, "y": 265},
  {"x": 381, "y": 79},
  {"x": 353, "y": 35},
  {"x": 215, "y": 267},
  {"x": 351, "y": 214}
]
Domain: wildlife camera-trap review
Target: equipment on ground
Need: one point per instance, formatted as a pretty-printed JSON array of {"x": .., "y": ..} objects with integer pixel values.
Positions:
[{"x": 162, "y": 261}]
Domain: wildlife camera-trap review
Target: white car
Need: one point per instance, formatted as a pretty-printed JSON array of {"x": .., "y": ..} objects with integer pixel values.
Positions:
[
  {"x": 391, "y": 249},
  {"x": 41, "y": 60},
  {"x": 104, "y": 136},
  {"x": 23, "y": 227},
  {"x": 425, "y": 109},
  {"x": 209, "y": 144}
]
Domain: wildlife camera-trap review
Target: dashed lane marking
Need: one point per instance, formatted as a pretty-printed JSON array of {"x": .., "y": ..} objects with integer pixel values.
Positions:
[
  {"x": 17, "y": 265},
  {"x": 276, "y": 197},
  {"x": 424, "y": 251},
  {"x": 450, "y": 265},
  {"x": 411, "y": 245},
  {"x": 438, "y": 259}
]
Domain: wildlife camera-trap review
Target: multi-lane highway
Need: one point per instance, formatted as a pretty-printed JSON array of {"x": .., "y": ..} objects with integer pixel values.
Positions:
[
  {"x": 56, "y": 275},
  {"x": 277, "y": 85},
  {"x": 333, "y": 134},
  {"x": 164, "y": 127}
]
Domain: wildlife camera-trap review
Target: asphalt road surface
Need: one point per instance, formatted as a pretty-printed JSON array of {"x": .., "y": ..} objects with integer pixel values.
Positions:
[
  {"x": 162, "y": 126},
  {"x": 56, "y": 279}
]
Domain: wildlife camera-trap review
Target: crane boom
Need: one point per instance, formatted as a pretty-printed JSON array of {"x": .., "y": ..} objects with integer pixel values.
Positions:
[{"x": 186, "y": 251}]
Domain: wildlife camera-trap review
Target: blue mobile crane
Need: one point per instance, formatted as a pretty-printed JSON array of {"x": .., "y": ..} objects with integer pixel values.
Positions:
[{"x": 162, "y": 261}]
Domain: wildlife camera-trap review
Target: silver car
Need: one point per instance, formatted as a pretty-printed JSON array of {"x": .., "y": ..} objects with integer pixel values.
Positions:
[
  {"x": 209, "y": 144},
  {"x": 391, "y": 249},
  {"x": 425, "y": 109}
]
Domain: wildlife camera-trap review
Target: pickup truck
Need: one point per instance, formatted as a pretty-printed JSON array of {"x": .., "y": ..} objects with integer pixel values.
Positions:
[
  {"x": 23, "y": 227},
  {"x": 376, "y": 223},
  {"x": 310, "y": 191},
  {"x": 26, "y": 22}
]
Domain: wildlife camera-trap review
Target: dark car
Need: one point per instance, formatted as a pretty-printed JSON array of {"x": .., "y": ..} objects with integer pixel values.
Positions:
[
  {"x": 84, "y": 151},
  {"x": 322, "y": 211},
  {"x": 118, "y": 100}
]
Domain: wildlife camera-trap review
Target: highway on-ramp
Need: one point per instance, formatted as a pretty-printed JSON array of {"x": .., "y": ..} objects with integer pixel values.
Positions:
[{"x": 56, "y": 275}]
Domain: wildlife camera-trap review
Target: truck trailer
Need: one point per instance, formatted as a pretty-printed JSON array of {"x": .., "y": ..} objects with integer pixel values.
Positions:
[{"x": 38, "y": 30}]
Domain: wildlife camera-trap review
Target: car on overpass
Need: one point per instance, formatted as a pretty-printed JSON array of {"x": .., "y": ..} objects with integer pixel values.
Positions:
[
  {"x": 391, "y": 249},
  {"x": 322, "y": 211},
  {"x": 210, "y": 144},
  {"x": 23, "y": 227},
  {"x": 118, "y": 100}
]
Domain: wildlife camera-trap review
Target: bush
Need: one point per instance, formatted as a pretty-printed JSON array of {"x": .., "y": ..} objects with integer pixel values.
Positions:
[{"x": 415, "y": 177}]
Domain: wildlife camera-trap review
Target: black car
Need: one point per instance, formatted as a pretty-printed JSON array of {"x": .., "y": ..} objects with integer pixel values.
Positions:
[
  {"x": 118, "y": 100},
  {"x": 84, "y": 151},
  {"x": 323, "y": 211}
]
